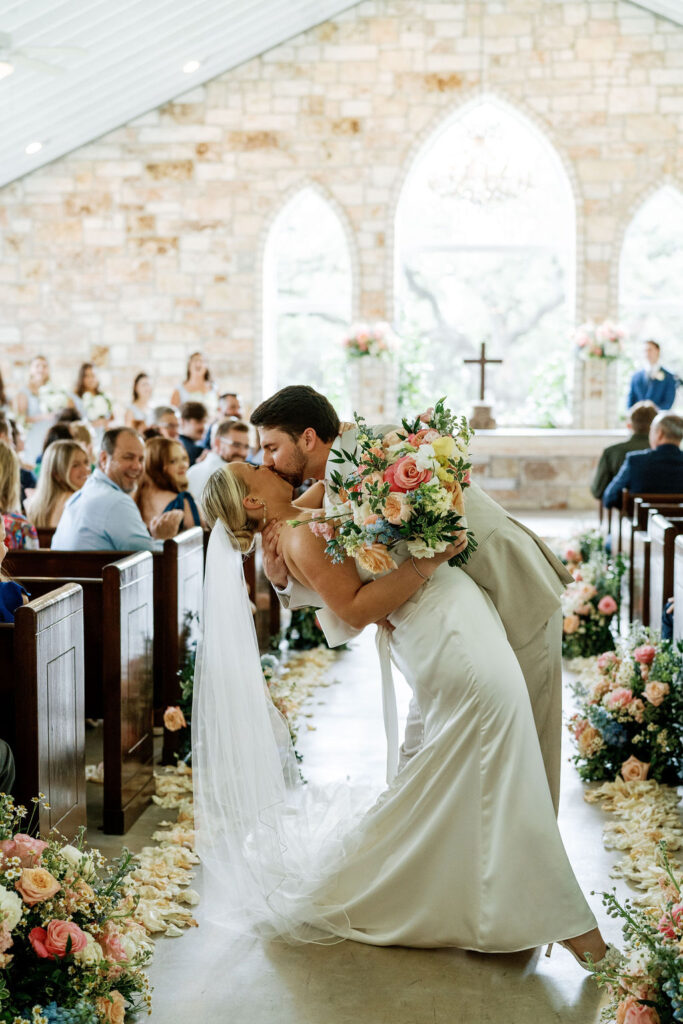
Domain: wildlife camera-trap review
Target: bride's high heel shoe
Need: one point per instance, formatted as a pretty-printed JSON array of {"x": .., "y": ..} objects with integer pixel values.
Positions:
[{"x": 612, "y": 957}]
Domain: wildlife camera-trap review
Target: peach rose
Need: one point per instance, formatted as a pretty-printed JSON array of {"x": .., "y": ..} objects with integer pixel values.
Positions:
[
  {"x": 424, "y": 436},
  {"x": 53, "y": 941},
  {"x": 599, "y": 689},
  {"x": 6, "y": 939},
  {"x": 394, "y": 437},
  {"x": 77, "y": 896},
  {"x": 619, "y": 697},
  {"x": 174, "y": 719},
  {"x": 607, "y": 605},
  {"x": 636, "y": 709},
  {"x": 458, "y": 499},
  {"x": 645, "y": 654},
  {"x": 375, "y": 558},
  {"x": 634, "y": 770},
  {"x": 572, "y": 556},
  {"x": 630, "y": 1011},
  {"x": 26, "y": 848},
  {"x": 111, "y": 1008},
  {"x": 584, "y": 609},
  {"x": 405, "y": 476},
  {"x": 589, "y": 741},
  {"x": 397, "y": 509},
  {"x": 655, "y": 692},
  {"x": 36, "y": 885},
  {"x": 570, "y": 624}
]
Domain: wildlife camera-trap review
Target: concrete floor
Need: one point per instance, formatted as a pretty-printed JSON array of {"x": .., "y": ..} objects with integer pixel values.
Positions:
[{"x": 207, "y": 975}]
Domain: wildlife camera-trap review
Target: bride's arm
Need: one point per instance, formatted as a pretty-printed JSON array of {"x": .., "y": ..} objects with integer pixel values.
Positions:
[{"x": 340, "y": 586}]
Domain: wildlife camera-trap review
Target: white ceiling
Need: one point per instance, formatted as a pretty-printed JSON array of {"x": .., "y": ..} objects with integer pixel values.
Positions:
[{"x": 135, "y": 50}]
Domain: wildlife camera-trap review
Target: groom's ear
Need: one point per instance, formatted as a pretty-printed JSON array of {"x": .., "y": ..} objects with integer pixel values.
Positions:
[{"x": 309, "y": 439}]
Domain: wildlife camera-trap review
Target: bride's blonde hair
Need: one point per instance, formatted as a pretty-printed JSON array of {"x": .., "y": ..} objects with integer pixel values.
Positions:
[{"x": 222, "y": 498}]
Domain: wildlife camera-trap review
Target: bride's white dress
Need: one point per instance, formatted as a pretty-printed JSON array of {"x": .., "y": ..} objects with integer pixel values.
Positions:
[{"x": 463, "y": 847}]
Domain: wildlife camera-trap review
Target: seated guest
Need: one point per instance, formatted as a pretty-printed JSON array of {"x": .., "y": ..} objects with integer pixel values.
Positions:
[
  {"x": 229, "y": 408},
  {"x": 102, "y": 516},
  {"x": 657, "y": 471},
  {"x": 81, "y": 432},
  {"x": 653, "y": 382},
  {"x": 163, "y": 487},
  {"x": 7, "y": 773},
  {"x": 166, "y": 422},
  {"x": 12, "y": 595},
  {"x": 230, "y": 444},
  {"x": 58, "y": 432},
  {"x": 69, "y": 414},
  {"x": 19, "y": 532},
  {"x": 11, "y": 434},
  {"x": 66, "y": 467},
  {"x": 193, "y": 418},
  {"x": 640, "y": 416}
]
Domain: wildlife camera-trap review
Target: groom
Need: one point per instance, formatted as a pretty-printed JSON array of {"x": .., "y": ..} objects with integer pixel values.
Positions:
[{"x": 298, "y": 429}]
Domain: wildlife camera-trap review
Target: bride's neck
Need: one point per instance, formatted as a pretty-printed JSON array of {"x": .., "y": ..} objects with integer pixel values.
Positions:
[{"x": 282, "y": 511}]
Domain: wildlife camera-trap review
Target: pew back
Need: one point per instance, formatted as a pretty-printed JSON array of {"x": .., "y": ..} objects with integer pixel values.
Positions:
[
  {"x": 41, "y": 689},
  {"x": 621, "y": 534},
  {"x": 641, "y": 513},
  {"x": 663, "y": 532},
  {"x": 678, "y": 588},
  {"x": 640, "y": 593}
]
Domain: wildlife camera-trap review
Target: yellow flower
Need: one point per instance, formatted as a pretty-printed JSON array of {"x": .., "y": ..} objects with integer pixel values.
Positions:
[
  {"x": 444, "y": 475},
  {"x": 444, "y": 447}
]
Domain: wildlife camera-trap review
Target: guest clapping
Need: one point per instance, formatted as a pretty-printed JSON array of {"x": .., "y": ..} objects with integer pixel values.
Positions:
[
  {"x": 20, "y": 533},
  {"x": 193, "y": 418},
  {"x": 197, "y": 386},
  {"x": 139, "y": 415},
  {"x": 65, "y": 468},
  {"x": 163, "y": 487},
  {"x": 91, "y": 402}
]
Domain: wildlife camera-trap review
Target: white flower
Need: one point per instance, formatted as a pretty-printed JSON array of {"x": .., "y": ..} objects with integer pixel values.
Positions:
[
  {"x": 419, "y": 549},
  {"x": 82, "y": 862},
  {"x": 425, "y": 457},
  {"x": 10, "y": 908},
  {"x": 91, "y": 953}
]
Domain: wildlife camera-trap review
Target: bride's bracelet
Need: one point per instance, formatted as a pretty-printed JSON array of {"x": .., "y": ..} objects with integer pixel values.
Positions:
[{"x": 414, "y": 565}]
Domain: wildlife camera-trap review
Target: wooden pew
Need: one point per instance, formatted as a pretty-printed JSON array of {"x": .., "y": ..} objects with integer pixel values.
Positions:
[
  {"x": 45, "y": 535},
  {"x": 663, "y": 532},
  {"x": 640, "y": 594},
  {"x": 118, "y": 617},
  {"x": 42, "y": 695},
  {"x": 641, "y": 514},
  {"x": 622, "y": 529},
  {"x": 678, "y": 588}
]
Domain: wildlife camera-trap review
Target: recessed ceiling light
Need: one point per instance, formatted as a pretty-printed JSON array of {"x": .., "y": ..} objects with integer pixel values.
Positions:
[
  {"x": 191, "y": 66},
  {"x": 33, "y": 147},
  {"x": 6, "y": 68}
]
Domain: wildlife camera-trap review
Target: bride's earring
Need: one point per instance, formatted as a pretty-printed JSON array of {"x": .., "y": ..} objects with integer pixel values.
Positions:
[{"x": 265, "y": 513}]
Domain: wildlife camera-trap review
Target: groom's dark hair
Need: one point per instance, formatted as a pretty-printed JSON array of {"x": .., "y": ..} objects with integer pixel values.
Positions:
[{"x": 293, "y": 409}]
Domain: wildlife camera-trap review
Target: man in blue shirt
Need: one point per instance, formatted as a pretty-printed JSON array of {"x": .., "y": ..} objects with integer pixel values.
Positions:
[
  {"x": 657, "y": 471},
  {"x": 102, "y": 516},
  {"x": 654, "y": 382}
]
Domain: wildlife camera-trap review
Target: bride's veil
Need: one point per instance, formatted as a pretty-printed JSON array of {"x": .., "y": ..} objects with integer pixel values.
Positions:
[{"x": 265, "y": 839}]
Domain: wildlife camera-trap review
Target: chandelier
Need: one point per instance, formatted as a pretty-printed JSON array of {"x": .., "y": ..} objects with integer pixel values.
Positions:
[{"x": 484, "y": 173}]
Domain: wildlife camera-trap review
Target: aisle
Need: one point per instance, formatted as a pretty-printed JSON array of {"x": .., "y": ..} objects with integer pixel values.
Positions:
[{"x": 209, "y": 976}]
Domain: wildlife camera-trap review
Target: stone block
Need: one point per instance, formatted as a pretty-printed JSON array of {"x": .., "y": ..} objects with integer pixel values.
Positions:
[
  {"x": 170, "y": 170},
  {"x": 536, "y": 470}
]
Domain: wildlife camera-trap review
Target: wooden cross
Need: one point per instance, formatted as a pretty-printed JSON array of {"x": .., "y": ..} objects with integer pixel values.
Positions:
[{"x": 483, "y": 362}]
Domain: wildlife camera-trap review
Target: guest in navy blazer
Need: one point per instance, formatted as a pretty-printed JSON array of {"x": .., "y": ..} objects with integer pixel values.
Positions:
[
  {"x": 654, "y": 382},
  {"x": 657, "y": 471}
]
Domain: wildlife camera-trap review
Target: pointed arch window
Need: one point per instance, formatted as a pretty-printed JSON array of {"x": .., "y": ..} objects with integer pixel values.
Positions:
[
  {"x": 485, "y": 251},
  {"x": 650, "y": 276},
  {"x": 307, "y": 298}
]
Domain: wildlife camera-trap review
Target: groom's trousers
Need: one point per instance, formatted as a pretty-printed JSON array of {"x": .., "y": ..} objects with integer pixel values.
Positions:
[{"x": 541, "y": 663}]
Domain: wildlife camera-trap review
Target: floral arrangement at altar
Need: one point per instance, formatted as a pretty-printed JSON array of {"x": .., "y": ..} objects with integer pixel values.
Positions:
[
  {"x": 70, "y": 951},
  {"x": 599, "y": 341},
  {"x": 376, "y": 341},
  {"x": 630, "y": 719},
  {"x": 406, "y": 485},
  {"x": 590, "y": 603},
  {"x": 647, "y": 988}
]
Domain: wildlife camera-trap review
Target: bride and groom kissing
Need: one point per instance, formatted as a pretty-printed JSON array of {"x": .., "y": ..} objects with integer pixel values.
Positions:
[{"x": 462, "y": 849}]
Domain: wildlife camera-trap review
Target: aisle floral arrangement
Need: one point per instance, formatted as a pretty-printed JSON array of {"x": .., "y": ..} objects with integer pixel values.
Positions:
[
  {"x": 374, "y": 341},
  {"x": 71, "y": 951},
  {"x": 630, "y": 718},
  {"x": 406, "y": 485},
  {"x": 599, "y": 341},
  {"x": 590, "y": 603}
]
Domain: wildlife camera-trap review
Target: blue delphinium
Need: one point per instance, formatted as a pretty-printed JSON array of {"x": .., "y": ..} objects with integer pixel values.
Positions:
[
  {"x": 613, "y": 732},
  {"x": 81, "y": 1013}
]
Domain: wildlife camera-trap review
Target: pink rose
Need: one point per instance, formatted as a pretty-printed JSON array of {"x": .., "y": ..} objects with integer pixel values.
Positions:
[
  {"x": 424, "y": 436},
  {"x": 634, "y": 770},
  {"x": 607, "y": 605},
  {"x": 584, "y": 609},
  {"x": 655, "y": 692},
  {"x": 174, "y": 719},
  {"x": 579, "y": 725},
  {"x": 53, "y": 941},
  {"x": 572, "y": 556},
  {"x": 405, "y": 476},
  {"x": 6, "y": 939},
  {"x": 620, "y": 697},
  {"x": 570, "y": 624},
  {"x": 110, "y": 941},
  {"x": 397, "y": 509},
  {"x": 607, "y": 660},
  {"x": 26, "y": 848},
  {"x": 671, "y": 921},
  {"x": 324, "y": 530},
  {"x": 645, "y": 654},
  {"x": 630, "y": 1011}
]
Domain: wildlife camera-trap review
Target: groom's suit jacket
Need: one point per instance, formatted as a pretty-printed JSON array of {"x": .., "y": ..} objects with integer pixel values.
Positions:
[{"x": 522, "y": 576}]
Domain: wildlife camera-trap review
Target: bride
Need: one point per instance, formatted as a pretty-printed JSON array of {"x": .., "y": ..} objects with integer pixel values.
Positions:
[{"x": 462, "y": 849}]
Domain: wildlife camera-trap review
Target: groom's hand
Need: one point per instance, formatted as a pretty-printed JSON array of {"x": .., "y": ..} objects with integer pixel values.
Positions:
[{"x": 273, "y": 563}]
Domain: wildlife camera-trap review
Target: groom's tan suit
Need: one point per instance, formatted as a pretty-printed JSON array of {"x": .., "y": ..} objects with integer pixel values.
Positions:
[{"x": 524, "y": 579}]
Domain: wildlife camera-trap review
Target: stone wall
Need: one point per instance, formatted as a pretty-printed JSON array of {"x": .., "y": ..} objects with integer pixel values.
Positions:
[{"x": 147, "y": 243}]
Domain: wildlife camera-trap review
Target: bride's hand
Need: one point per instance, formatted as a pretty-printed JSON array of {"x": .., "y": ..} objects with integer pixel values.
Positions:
[
  {"x": 274, "y": 565},
  {"x": 430, "y": 565}
]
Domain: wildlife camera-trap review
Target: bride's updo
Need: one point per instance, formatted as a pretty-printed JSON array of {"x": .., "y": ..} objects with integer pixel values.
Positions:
[{"x": 222, "y": 499}]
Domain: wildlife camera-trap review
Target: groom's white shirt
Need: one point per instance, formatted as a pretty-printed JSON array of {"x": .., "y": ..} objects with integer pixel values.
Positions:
[{"x": 519, "y": 572}]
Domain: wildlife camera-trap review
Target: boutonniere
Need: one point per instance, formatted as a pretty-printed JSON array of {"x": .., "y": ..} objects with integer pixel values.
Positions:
[{"x": 660, "y": 376}]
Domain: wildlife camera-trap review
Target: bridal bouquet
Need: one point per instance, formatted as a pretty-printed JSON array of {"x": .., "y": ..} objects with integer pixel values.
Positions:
[
  {"x": 52, "y": 398},
  {"x": 406, "y": 485},
  {"x": 630, "y": 720},
  {"x": 96, "y": 406},
  {"x": 69, "y": 950},
  {"x": 601, "y": 341}
]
